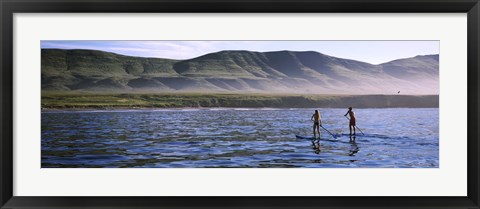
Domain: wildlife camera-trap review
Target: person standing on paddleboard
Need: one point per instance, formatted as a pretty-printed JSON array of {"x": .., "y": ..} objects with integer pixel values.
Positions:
[
  {"x": 317, "y": 122},
  {"x": 352, "y": 120}
]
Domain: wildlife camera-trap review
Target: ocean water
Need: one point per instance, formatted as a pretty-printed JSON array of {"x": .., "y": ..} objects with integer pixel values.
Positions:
[{"x": 240, "y": 137}]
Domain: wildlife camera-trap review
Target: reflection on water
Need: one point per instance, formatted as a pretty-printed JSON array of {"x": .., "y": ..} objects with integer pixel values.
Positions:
[
  {"x": 316, "y": 146},
  {"x": 187, "y": 138},
  {"x": 354, "y": 148}
]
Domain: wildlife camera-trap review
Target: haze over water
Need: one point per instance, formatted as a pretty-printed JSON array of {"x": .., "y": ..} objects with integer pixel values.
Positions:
[{"x": 222, "y": 137}]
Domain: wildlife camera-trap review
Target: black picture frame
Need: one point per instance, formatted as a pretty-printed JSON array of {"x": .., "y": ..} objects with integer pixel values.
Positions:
[{"x": 10, "y": 7}]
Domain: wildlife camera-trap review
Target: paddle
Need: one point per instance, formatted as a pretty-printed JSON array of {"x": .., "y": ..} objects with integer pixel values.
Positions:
[
  {"x": 355, "y": 126},
  {"x": 329, "y": 132}
]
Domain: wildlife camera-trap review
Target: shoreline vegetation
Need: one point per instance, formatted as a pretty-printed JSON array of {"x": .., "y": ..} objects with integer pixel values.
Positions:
[{"x": 52, "y": 101}]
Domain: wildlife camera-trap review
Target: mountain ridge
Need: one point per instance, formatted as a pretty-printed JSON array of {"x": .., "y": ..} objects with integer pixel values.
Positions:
[{"x": 238, "y": 71}]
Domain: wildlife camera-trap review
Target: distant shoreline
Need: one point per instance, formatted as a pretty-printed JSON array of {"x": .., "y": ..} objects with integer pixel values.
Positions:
[
  {"x": 65, "y": 110},
  {"x": 83, "y": 101}
]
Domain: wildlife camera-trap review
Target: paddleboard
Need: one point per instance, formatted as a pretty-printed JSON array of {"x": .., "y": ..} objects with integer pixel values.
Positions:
[
  {"x": 305, "y": 137},
  {"x": 348, "y": 135}
]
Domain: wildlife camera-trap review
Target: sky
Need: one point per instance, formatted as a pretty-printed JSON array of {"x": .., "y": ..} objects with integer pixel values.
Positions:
[{"x": 374, "y": 52}]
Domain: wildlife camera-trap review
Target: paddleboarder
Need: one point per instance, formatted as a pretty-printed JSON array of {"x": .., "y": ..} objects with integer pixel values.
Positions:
[
  {"x": 352, "y": 120},
  {"x": 317, "y": 122}
]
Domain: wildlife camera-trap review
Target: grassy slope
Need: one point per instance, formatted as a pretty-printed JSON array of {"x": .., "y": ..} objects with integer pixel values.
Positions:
[
  {"x": 64, "y": 70},
  {"x": 100, "y": 101},
  {"x": 235, "y": 72}
]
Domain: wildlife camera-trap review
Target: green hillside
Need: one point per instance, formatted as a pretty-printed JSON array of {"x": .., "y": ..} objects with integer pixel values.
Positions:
[{"x": 235, "y": 72}]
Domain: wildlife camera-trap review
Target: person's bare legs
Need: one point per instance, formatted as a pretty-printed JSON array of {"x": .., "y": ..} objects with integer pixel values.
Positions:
[
  {"x": 354, "y": 130},
  {"x": 318, "y": 130},
  {"x": 350, "y": 127},
  {"x": 314, "y": 135}
]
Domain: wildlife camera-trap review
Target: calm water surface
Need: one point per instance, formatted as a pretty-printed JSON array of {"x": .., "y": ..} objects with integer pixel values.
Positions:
[{"x": 188, "y": 138}]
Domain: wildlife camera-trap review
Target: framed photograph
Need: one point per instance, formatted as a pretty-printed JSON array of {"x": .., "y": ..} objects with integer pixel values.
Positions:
[{"x": 237, "y": 104}]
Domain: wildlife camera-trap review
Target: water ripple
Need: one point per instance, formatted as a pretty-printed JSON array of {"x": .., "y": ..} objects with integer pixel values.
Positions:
[{"x": 241, "y": 137}]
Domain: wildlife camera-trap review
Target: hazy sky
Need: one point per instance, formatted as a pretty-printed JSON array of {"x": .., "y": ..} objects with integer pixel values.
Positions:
[{"x": 374, "y": 52}]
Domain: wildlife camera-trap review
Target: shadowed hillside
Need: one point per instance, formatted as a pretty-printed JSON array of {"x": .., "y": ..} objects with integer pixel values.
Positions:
[{"x": 235, "y": 72}]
